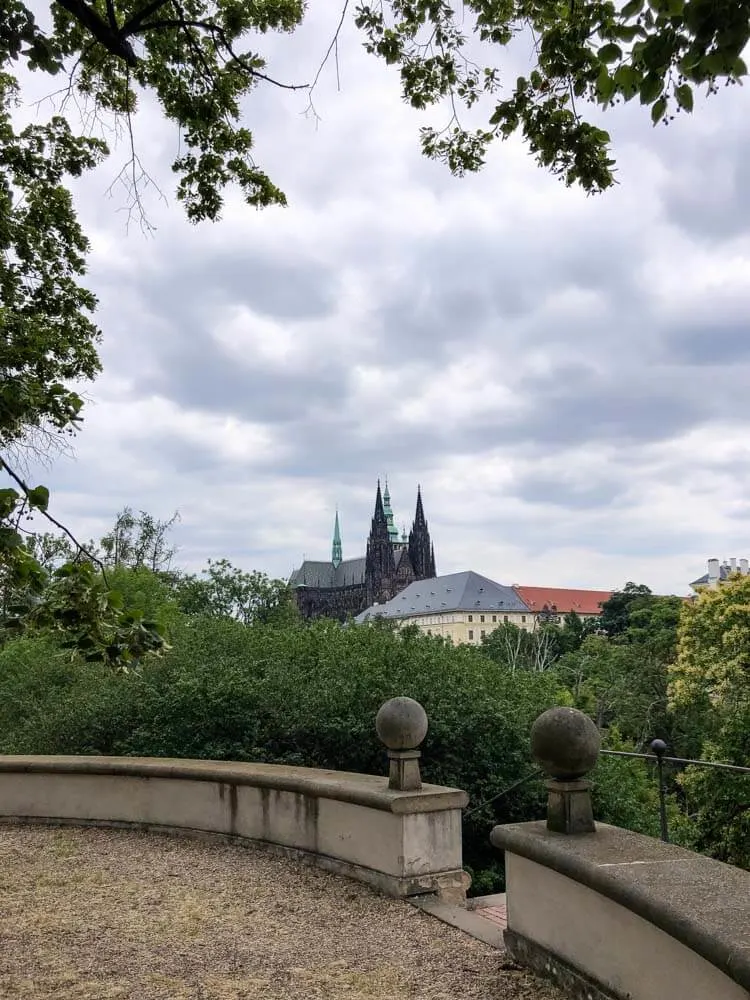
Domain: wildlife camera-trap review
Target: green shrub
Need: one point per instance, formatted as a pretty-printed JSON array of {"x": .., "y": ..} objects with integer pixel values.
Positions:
[{"x": 307, "y": 695}]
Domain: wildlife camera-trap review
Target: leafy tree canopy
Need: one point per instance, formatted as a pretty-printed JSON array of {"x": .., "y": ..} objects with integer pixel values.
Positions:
[
  {"x": 225, "y": 591},
  {"x": 710, "y": 690},
  {"x": 711, "y": 677},
  {"x": 615, "y": 616},
  {"x": 585, "y": 51}
]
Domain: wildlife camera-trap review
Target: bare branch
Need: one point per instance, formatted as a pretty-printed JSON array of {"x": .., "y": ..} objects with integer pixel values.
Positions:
[
  {"x": 81, "y": 549},
  {"x": 135, "y": 178},
  {"x": 332, "y": 47}
]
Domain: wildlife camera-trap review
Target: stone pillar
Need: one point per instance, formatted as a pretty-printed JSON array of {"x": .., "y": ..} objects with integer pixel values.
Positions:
[
  {"x": 401, "y": 725},
  {"x": 566, "y": 743}
]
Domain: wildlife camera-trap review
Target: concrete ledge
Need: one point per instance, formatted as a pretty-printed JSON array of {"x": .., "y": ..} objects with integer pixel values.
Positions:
[
  {"x": 703, "y": 905},
  {"x": 346, "y": 786},
  {"x": 403, "y": 843}
]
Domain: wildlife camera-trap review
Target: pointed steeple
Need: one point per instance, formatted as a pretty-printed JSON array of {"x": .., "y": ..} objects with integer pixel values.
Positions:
[
  {"x": 421, "y": 552},
  {"x": 336, "y": 548},
  {"x": 419, "y": 518},
  {"x": 380, "y": 565},
  {"x": 379, "y": 512},
  {"x": 392, "y": 529}
]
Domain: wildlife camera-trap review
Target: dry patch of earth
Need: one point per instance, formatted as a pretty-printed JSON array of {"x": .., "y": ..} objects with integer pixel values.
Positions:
[{"x": 106, "y": 915}]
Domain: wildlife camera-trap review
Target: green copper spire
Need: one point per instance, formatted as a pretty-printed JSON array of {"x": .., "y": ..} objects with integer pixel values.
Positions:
[
  {"x": 336, "y": 550},
  {"x": 392, "y": 529}
]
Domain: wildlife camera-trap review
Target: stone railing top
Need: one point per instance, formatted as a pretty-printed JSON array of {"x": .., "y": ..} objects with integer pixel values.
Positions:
[
  {"x": 361, "y": 789},
  {"x": 702, "y": 903}
]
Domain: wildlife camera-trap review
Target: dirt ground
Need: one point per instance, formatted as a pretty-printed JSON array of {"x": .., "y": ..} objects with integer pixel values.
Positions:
[{"x": 107, "y": 915}]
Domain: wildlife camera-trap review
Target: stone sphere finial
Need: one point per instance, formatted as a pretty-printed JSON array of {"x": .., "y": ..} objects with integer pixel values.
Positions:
[
  {"x": 565, "y": 742},
  {"x": 401, "y": 724}
]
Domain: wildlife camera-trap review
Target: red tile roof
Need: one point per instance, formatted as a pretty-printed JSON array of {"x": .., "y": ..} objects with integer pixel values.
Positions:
[{"x": 583, "y": 602}]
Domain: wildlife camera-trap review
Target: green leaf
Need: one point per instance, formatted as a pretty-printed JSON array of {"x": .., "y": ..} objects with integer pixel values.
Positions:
[
  {"x": 116, "y": 599},
  {"x": 610, "y": 52},
  {"x": 605, "y": 86},
  {"x": 8, "y": 501},
  {"x": 627, "y": 79},
  {"x": 684, "y": 95},
  {"x": 631, "y": 9},
  {"x": 658, "y": 110},
  {"x": 39, "y": 497},
  {"x": 651, "y": 86},
  {"x": 626, "y": 33}
]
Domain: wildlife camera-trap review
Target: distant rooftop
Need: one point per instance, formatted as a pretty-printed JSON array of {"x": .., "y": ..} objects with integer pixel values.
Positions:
[
  {"x": 563, "y": 599},
  {"x": 467, "y": 591},
  {"x": 315, "y": 573}
]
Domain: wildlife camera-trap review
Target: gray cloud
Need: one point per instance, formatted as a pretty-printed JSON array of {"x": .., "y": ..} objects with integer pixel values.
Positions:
[{"x": 490, "y": 337}]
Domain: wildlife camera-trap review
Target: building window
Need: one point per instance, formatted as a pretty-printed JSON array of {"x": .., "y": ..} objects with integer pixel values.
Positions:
[
  {"x": 505, "y": 618},
  {"x": 494, "y": 618},
  {"x": 471, "y": 618},
  {"x": 471, "y": 634},
  {"x": 481, "y": 618},
  {"x": 483, "y": 633},
  {"x": 523, "y": 618}
]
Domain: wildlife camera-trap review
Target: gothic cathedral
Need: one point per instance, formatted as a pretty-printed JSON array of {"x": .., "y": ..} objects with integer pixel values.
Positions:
[{"x": 345, "y": 587}]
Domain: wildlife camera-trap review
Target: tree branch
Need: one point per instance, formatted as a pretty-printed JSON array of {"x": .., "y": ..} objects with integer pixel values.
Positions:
[
  {"x": 131, "y": 26},
  {"x": 216, "y": 31},
  {"x": 82, "y": 550},
  {"x": 102, "y": 32}
]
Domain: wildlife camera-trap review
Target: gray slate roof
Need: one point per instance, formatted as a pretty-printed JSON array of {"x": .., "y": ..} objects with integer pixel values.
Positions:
[
  {"x": 466, "y": 591},
  {"x": 724, "y": 572},
  {"x": 322, "y": 574}
]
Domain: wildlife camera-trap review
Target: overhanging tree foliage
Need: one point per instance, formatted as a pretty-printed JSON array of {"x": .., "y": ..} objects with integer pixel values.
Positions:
[{"x": 584, "y": 51}]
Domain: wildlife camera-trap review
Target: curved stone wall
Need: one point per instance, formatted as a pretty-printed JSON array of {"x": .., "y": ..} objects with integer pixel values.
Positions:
[
  {"x": 614, "y": 914},
  {"x": 402, "y": 842}
]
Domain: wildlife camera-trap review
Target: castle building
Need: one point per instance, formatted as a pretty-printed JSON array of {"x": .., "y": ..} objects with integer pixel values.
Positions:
[
  {"x": 346, "y": 587},
  {"x": 467, "y": 607}
]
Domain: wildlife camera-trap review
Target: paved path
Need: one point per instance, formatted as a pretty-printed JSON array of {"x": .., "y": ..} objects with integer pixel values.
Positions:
[
  {"x": 107, "y": 915},
  {"x": 493, "y": 908}
]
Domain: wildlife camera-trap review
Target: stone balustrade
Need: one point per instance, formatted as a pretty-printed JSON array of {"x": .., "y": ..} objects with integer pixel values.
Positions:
[
  {"x": 613, "y": 915},
  {"x": 395, "y": 833}
]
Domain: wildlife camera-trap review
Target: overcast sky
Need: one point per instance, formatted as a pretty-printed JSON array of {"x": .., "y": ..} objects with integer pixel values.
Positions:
[{"x": 567, "y": 377}]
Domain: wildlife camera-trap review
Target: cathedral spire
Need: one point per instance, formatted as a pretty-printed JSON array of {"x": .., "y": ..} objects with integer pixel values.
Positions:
[
  {"x": 419, "y": 519},
  {"x": 379, "y": 511},
  {"x": 336, "y": 548},
  {"x": 392, "y": 529},
  {"x": 421, "y": 552}
]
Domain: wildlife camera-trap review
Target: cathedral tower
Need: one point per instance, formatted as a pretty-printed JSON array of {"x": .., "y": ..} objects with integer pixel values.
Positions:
[
  {"x": 380, "y": 565},
  {"x": 421, "y": 551}
]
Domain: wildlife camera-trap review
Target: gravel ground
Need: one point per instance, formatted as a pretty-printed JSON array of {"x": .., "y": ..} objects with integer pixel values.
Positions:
[{"x": 106, "y": 915}]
